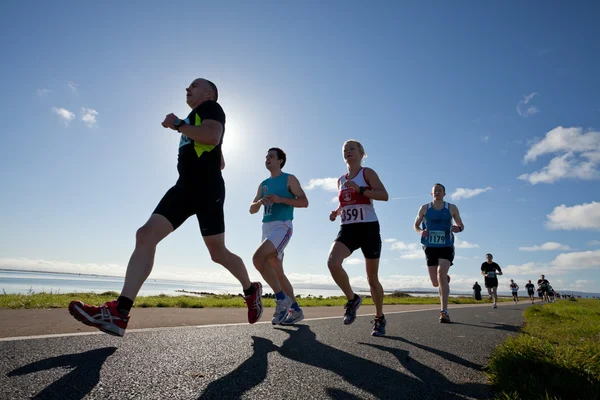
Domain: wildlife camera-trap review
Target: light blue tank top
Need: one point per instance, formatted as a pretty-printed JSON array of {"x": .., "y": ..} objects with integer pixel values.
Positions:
[
  {"x": 438, "y": 223},
  {"x": 277, "y": 211}
]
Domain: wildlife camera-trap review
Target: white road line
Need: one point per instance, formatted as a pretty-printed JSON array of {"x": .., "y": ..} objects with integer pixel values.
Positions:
[{"x": 157, "y": 329}]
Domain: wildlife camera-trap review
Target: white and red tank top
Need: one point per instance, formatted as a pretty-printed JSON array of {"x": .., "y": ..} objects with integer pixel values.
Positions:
[{"x": 356, "y": 208}]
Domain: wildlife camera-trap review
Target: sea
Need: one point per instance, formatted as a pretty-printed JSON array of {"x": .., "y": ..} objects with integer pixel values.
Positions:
[{"x": 24, "y": 282}]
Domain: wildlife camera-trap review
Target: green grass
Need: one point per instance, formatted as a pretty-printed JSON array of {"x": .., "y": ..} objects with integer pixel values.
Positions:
[
  {"x": 54, "y": 300},
  {"x": 556, "y": 355}
]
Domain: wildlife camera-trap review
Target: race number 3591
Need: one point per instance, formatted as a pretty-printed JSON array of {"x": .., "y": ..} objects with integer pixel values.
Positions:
[{"x": 352, "y": 214}]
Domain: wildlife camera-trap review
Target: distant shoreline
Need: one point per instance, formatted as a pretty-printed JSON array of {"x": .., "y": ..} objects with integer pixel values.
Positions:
[{"x": 300, "y": 286}]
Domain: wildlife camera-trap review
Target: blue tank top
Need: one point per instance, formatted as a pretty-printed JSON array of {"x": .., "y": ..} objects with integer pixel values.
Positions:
[
  {"x": 277, "y": 211},
  {"x": 438, "y": 223}
]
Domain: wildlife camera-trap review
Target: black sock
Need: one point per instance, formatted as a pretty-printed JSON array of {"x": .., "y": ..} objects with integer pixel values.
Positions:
[
  {"x": 124, "y": 305},
  {"x": 355, "y": 297},
  {"x": 249, "y": 291}
]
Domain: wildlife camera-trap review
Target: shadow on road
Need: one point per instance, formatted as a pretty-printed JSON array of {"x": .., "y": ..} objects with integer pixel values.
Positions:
[
  {"x": 76, "y": 384},
  {"x": 502, "y": 327},
  {"x": 438, "y": 385},
  {"x": 444, "y": 354},
  {"x": 248, "y": 375},
  {"x": 381, "y": 381}
]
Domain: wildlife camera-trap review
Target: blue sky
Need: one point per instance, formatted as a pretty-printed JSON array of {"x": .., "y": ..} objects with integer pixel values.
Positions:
[{"x": 499, "y": 102}]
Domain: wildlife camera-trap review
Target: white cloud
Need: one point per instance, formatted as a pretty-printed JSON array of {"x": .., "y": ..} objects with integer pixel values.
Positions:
[
  {"x": 89, "y": 116},
  {"x": 530, "y": 268},
  {"x": 577, "y": 155},
  {"x": 65, "y": 114},
  {"x": 594, "y": 243},
  {"x": 73, "y": 86},
  {"x": 411, "y": 251},
  {"x": 566, "y": 166},
  {"x": 42, "y": 92},
  {"x": 581, "y": 216},
  {"x": 329, "y": 184},
  {"x": 390, "y": 240},
  {"x": 562, "y": 264},
  {"x": 463, "y": 244},
  {"x": 562, "y": 139},
  {"x": 486, "y": 138},
  {"x": 462, "y": 193},
  {"x": 548, "y": 246},
  {"x": 523, "y": 107},
  {"x": 577, "y": 260},
  {"x": 354, "y": 261}
]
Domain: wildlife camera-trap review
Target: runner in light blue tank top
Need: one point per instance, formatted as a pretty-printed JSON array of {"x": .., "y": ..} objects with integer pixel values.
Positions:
[
  {"x": 279, "y": 187},
  {"x": 278, "y": 195}
]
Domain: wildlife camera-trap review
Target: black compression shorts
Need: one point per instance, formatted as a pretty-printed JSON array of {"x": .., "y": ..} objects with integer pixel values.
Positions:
[
  {"x": 433, "y": 255},
  {"x": 206, "y": 201},
  {"x": 364, "y": 236}
]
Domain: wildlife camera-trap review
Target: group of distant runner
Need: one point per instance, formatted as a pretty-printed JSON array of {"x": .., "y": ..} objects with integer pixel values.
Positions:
[
  {"x": 490, "y": 270},
  {"x": 200, "y": 191}
]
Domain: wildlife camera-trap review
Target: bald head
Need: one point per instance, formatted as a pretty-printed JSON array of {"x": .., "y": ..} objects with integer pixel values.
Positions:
[{"x": 201, "y": 90}]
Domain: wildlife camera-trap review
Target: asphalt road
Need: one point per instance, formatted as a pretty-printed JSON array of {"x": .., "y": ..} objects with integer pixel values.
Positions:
[{"x": 317, "y": 359}]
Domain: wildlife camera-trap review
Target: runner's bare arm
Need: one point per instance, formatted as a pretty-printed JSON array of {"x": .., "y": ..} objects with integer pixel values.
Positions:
[
  {"x": 377, "y": 191},
  {"x": 296, "y": 189},
  {"x": 256, "y": 203},
  {"x": 419, "y": 219},
  {"x": 209, "y": 132},
  {"x": 457, "y": 219}
]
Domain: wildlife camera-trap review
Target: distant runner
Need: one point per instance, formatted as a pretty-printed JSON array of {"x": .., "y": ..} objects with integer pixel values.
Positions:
[
  {"x": 530, "y": 291},
  {"x": 514, "y": 288},
  {"x": 544, "y": 285},
  {"x": 490, "y": 270}
]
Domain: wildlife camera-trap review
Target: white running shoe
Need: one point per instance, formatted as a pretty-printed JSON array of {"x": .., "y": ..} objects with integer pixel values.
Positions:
[
  {"x": 293, "y": 317},
  {"x": 281, "y": 310}
]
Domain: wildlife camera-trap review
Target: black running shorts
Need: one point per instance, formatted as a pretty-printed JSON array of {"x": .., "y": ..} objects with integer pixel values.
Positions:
[
  {"x": 491, "y": 282},
  {"x": 362, "y": 235},
  {"x": 433, "y": 255},
  {"x": 206, "y": 201}
]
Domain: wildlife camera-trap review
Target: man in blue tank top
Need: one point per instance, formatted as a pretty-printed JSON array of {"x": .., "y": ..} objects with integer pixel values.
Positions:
[
  {"x": 278, "y": 195},
  {"x": 437, "y": 237}
]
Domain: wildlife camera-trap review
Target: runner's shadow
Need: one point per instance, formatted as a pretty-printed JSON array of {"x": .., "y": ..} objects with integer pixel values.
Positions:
[
  {"x": 439, "y": 386},
  {"x": 248, "y": 375},
  {"x": 339, "y": 394},
  {"x": 444, "y": 354},
  {"x": 381, "y": 381},
  {"x": 84, "y": 376},
  {"x": 502, "y": 327}
]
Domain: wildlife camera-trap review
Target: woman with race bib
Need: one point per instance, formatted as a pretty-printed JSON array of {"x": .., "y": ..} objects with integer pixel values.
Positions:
[
  {"x": 359, "y": 230},
  {"x": 490, "y": 270}
]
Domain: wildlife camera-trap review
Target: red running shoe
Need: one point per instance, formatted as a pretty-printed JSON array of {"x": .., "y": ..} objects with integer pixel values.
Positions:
[
  {"x": 254, "y": 303},
  {"x": 106, "y": 317}
]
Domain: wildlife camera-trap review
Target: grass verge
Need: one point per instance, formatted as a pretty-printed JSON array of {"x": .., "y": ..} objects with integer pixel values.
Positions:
[
  {"x": 556, "y": 355},
  {"x": 54, "y": 300}
]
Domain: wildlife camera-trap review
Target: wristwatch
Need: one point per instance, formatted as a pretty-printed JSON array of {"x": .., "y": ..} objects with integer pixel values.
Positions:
[
  {"x": 178, "y": 123},
  {"x": 362, "y": 189}
]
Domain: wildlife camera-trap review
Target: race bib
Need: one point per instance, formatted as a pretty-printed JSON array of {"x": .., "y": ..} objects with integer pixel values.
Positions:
[
  {"x": 183, "y": 140},
  {"x": 353, "y": 214},
  {"x": 491, "y": 274},
  {"x": 437, "y": 237}
]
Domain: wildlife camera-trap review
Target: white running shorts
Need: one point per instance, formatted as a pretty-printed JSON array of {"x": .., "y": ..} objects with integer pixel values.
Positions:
[{"x": 279, "y": 233}]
